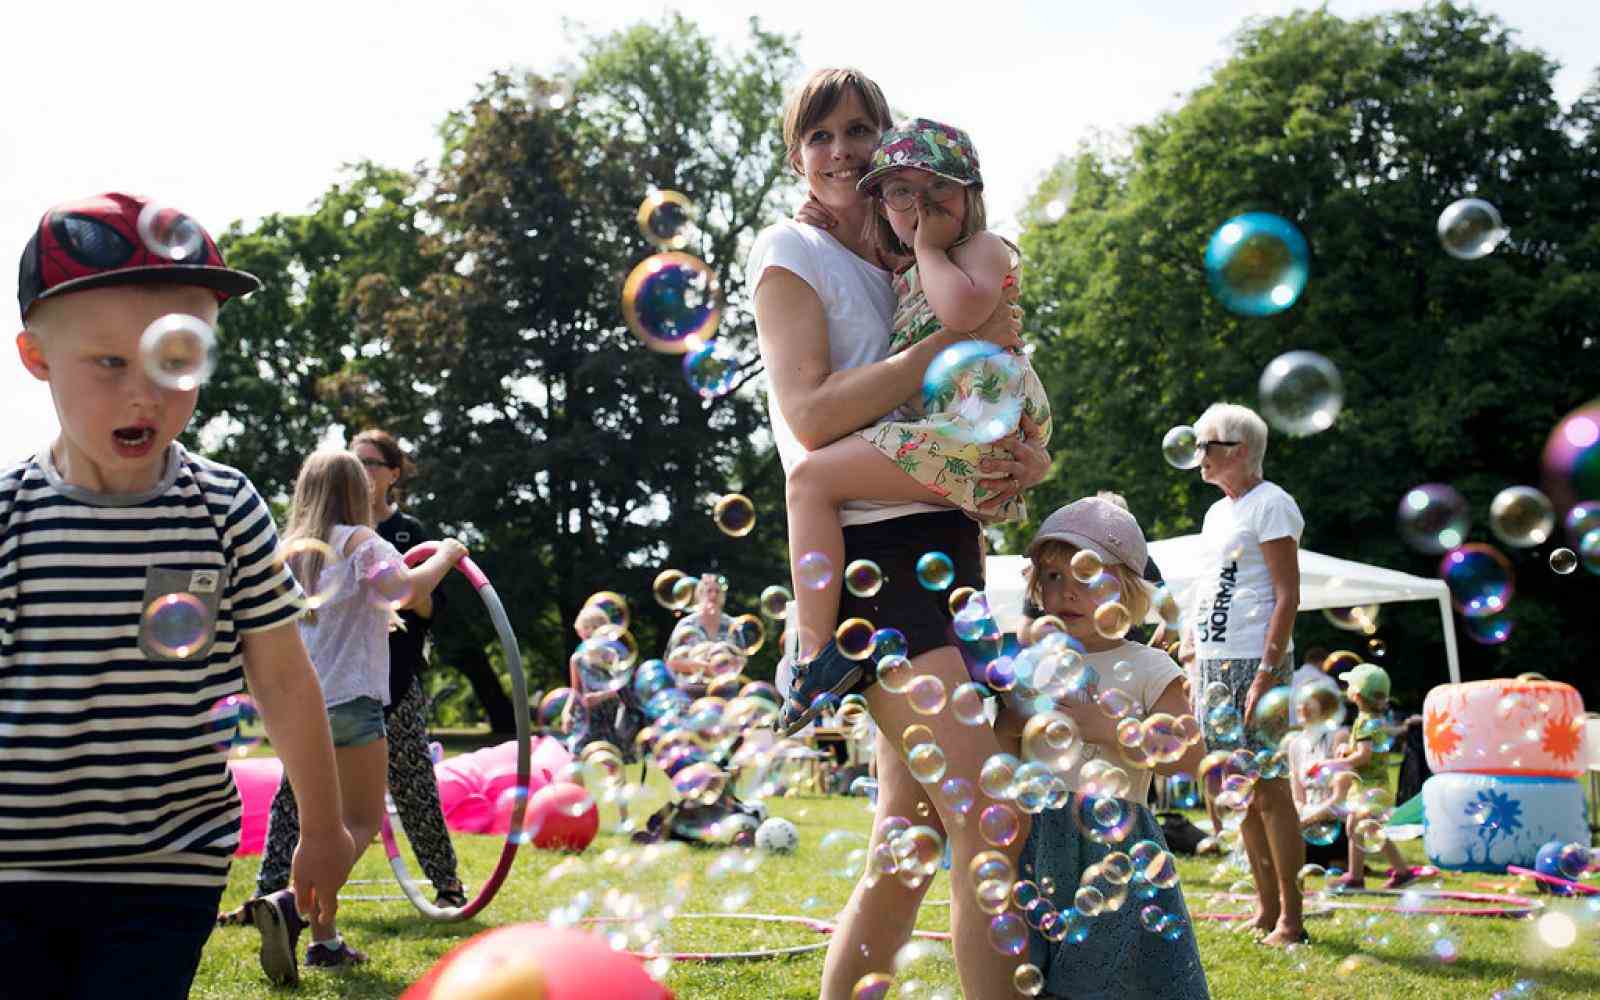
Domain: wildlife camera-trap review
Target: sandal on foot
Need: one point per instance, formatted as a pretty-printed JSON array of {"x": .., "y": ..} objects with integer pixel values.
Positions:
[{"x": 1399, "y": 877}]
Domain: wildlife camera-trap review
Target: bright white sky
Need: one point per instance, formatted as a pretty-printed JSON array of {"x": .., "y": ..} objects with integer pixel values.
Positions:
[{"x": 234, "y": 111}]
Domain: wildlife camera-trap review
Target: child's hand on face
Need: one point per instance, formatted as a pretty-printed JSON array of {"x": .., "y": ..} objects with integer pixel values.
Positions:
[{"x": 937, "y": 229}]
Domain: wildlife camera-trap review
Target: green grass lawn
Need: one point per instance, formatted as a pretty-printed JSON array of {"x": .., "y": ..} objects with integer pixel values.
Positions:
[{"x": 1354, "y": 954}]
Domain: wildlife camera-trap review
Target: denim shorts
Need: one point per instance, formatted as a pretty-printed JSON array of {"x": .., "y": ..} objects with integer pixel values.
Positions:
[{"x": 357, "y": 722}]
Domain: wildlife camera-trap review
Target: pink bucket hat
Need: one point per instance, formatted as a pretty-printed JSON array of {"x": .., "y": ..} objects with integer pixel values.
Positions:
[{"x": 1099, "y": 526}]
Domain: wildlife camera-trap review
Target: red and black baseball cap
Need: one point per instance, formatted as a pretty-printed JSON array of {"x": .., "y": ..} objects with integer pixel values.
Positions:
[{"x": 122, "y": 239}]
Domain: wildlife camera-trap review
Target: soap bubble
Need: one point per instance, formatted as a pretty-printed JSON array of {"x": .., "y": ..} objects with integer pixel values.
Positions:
[
  {"x": 712, "y": 368},
  {"x": 1178, "y": 447},
  {"x": 179, "y": 352},
  {"x": 967, "y": 704},
  {"x": 1571, "y": 469},
  {"x": 1563, "y": 561},
  {"x": 775, "y": 602},
  {"x": 814, "y": 571},
  {"x": 926, "y": 762},
  {"x": 889, "y": 642},
  {"x": 999, "y": 825},
  {"x": 958, "y": 794},
  {"x": 936, "y": 571},
  {"x": 854, "y": 638},
  {"x": 235, "y": 724},
  {"x": 664, "y": 218},
  {"x": 388, "y": 585},
  {"x": 176, "y": 625},
  {"x": 167, "y": 232},
  {"x": 1490, "y": 630},
  {"x": 1581, "y": 519},
  {"x": 926, "y": 695},
  {"x": 958, "y": 599},
  {"x": 1257, "y": 264},
  {"x": 1027, "y": 979},
  {"x": 747, "y": 634},
  {"x": 997, "y": 774},
  {"x": 671, "y": 302},
  {"x": 1470, "y": 229},
  {"x": 895, "y": 673},
  {"x": 734, "y": 514},
  {"x": 965, "y": 392},
  {"x": 667, "y": 591},
  {"x": 1112, "y": 620},
  {"x": 1356, "y": 618},
  {"x": 1301, "y": 393},
  {"x": 1008, "y": 934},
  {"x": 863, "y": 578},
  {"x": 1433, "y": 518},
  {"x": 1522, "y": 517},
  {"x": 1480, "y": 579}
]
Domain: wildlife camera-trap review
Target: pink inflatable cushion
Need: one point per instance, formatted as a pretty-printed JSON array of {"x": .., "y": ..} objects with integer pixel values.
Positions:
[
  {"x": 1505, "y": 726},
  {"x": 470, "y": 784},
  {"x": 257, "y": 780}
]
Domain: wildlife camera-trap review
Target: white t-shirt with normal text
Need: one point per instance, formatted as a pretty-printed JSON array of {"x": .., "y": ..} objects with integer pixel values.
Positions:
[
  {"x": 858, "y": 301},
  {"x": 1234, "y": 597}
]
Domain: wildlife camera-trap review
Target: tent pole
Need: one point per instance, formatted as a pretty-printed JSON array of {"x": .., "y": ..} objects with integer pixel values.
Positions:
[{"x": 1452, "y": 656}]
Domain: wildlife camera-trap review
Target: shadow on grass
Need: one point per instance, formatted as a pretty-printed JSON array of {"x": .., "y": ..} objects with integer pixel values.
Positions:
[{"x": 1465, "y": 967}]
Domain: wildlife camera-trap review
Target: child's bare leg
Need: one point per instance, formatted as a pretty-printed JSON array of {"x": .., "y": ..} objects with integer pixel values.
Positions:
[
  {"x": 1327, "y": 810},
  {"x": 848, "y": 469}
]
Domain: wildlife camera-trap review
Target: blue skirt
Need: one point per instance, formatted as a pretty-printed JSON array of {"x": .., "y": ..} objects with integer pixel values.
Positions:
[{"x": 1114, "y": 954}]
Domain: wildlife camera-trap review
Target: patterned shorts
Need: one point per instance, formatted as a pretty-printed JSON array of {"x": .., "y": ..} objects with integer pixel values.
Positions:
[{"x": 1236, "y": 675}]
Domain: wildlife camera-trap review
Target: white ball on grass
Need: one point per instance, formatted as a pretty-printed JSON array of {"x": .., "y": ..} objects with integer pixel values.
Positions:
[{"x": 777, "y": 836}]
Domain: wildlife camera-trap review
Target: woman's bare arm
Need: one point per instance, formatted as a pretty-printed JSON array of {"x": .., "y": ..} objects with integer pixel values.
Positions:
[{"x": 822, "y": 405}]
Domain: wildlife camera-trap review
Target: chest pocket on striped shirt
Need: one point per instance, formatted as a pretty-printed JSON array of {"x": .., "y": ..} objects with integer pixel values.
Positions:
[{"x": 178, "y": 621}]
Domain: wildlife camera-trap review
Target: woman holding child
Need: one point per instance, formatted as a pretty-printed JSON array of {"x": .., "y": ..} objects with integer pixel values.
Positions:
[{"x": 825, "y": 305}]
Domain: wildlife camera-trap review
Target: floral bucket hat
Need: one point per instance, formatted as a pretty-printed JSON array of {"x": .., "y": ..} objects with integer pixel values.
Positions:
[{"x": 923, "y": 144}]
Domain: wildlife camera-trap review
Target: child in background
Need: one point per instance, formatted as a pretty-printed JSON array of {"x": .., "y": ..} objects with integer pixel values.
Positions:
[
  {"x": 120, "y": 816},
  {"x": 1358, "y": 767},
  {"x": 1118, "y": 957},
  {"x": 355, "y": 594},
  {"x": 930, "y": 212}
]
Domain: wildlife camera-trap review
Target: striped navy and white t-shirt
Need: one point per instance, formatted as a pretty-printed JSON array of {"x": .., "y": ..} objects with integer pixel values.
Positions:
[{"x": 110, "y": 768}]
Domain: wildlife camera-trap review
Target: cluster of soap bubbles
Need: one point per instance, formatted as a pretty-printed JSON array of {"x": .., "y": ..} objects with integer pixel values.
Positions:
[
  {"x": 1435, "y": 519},
  {"x": 672, "y": 300},
  {"x": 178, "y": 351}
]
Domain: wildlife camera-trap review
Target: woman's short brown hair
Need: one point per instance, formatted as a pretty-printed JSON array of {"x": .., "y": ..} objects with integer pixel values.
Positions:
[{"x": 816, "y": 98}]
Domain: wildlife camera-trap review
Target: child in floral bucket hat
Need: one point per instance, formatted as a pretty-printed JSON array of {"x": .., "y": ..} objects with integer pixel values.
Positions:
[{"x": 925, "y": 180}]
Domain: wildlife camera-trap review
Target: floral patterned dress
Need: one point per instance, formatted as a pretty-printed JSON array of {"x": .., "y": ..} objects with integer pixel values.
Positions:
[{"x": 973, "y": 395}]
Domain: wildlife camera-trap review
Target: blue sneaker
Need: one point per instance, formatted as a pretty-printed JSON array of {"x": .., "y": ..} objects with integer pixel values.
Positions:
[{"x": 829, "y": 674}]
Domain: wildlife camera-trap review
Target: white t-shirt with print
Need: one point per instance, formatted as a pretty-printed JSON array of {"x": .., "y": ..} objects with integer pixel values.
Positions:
[
  {"x": 1234, "y": 599},
  {"x": 858, "y": 302},
  {"x": 1149, "y": 673}
]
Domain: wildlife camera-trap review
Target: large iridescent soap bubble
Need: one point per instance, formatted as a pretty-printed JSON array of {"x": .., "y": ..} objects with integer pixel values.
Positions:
[
  {"x": 967, "y": 393},
  {"x": 1433, "y": 518},
  {"x": 1480, "y": 579},
  {"x": 1571, "y": 464},
  {"x": 1470, "y": 228},
  {"x": 1301, "y": 393},
  {"x": 672, "y": 302},
  {"x": 1257, "y": 264}
]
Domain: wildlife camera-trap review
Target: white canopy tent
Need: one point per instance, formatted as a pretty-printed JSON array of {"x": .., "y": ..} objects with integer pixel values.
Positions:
[{"x": 1325, "y": 582}]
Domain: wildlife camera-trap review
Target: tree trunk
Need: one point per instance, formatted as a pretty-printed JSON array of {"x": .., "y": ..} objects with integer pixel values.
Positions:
[{"x": 475, "y": 667}]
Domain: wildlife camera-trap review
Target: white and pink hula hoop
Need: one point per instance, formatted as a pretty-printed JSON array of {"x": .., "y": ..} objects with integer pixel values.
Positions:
[{"x": 519, "y": 704}]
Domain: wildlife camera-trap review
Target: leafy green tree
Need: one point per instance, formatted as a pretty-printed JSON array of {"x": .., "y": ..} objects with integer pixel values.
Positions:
[
  {"x": 1360, "y": 132},
  {"x": 293, "y": 362},
  {"x": 572, "y": 459}
]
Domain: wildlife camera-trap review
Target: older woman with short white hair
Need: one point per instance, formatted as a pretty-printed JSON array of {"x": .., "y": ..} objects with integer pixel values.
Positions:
[{"x": 1241, "y": 628}]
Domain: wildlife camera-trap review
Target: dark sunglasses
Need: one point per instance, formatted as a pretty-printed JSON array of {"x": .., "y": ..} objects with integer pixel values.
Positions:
[
  {"x": 376, "y": 463},
  {"x": 1204, "y": 447}
]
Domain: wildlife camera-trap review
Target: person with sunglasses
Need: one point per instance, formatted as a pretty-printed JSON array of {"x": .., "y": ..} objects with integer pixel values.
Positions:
[{"x": 1246, "y": 600}]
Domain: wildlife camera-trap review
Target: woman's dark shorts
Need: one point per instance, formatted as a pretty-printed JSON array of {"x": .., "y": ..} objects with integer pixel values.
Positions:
[{"x": 896, "y": 544}]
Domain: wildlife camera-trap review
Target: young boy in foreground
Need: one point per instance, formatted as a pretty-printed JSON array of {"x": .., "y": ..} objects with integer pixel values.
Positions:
[{"x": 118, "y": 816}]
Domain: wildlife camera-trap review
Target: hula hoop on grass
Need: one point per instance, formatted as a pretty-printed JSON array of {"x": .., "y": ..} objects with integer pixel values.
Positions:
[
  {"x": 1585, "y": 889},
  {"x": 822, "y": 927},
  {"x": 1508, "y": 904},
  {"x": 519, "y": 704}
]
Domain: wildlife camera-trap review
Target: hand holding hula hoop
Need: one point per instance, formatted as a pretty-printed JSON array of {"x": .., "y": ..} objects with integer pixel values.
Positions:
[{"x": 519, "y": 704}]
